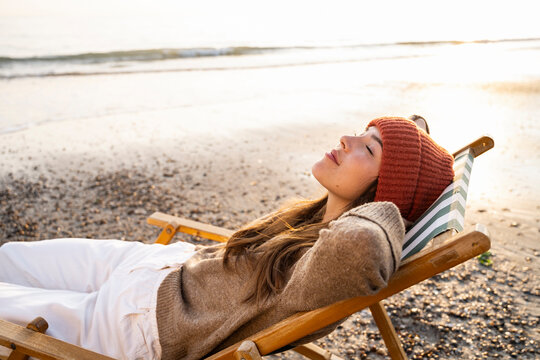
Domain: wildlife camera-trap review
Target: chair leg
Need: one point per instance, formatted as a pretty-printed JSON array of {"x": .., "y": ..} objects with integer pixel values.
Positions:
[
  {"x": 388, "y": 333},
  {"x": 38, "y": 324}
]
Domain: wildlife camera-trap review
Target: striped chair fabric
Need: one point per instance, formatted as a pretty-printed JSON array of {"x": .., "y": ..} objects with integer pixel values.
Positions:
[{"x": 447, "y": 212}]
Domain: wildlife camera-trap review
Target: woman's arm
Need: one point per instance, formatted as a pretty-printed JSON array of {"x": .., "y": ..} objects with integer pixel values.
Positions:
[{"x": 355, "y": 256}]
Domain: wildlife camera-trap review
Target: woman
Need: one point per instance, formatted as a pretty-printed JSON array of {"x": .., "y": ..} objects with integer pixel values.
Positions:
[{"x": 131, "y": 300}]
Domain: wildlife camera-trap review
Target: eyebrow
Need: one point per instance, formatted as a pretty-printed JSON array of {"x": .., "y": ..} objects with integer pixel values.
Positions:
[{"x": 377, "y": 139}]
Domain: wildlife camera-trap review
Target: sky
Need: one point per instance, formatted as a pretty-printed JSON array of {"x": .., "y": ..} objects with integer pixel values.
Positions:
[{"x": 387, "y": 21}]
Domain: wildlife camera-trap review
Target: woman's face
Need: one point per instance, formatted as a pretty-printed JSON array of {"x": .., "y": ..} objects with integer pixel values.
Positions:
[{"x": 349, "y": 169}]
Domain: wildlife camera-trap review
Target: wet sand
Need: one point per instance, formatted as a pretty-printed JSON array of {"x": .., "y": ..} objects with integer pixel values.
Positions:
[{"x": 100, "y": 177}]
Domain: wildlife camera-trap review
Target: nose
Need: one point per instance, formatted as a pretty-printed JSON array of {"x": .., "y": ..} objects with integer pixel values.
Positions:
[{"x": 345, "y": 142}]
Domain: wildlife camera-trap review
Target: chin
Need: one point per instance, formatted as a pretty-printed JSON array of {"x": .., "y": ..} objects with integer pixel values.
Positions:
[{"x": 318, "y": 172}]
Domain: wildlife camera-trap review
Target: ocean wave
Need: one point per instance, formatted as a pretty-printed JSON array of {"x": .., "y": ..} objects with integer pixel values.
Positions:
[
  {"x": 112, "y": 62},
  {"x": 137, "y": 55},
  {"x": 179, "y": 53},
  {"x": 202, "y": 68}
]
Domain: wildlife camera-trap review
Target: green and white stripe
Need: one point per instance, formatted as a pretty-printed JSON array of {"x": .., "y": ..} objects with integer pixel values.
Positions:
[{"x": 447, "y": 212}]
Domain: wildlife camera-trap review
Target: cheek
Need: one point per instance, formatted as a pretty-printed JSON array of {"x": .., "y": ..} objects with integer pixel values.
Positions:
[
  {"x": 358, "y": 178},
  {"x": 354, "y": 184}
]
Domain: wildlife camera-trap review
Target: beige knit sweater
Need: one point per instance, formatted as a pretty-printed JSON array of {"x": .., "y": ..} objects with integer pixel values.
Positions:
[{"x": 200, "y": 307}]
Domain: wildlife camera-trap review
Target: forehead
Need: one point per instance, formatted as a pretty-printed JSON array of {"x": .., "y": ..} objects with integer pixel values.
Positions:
[{"x": 372, "y": 130}]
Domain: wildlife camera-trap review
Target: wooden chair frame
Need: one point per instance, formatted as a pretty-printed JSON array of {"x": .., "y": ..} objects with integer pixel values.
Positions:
[{"x": 444, "y": 252}]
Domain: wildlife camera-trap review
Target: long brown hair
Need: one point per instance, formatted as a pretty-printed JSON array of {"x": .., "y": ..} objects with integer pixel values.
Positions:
[{"x": 273, "y": 243}]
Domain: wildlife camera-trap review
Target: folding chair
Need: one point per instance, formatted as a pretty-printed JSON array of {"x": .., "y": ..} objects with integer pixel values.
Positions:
[{"x": 441, "y": 226}]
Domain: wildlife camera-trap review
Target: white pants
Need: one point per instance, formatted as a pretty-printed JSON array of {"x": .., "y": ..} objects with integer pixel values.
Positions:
[{"x": 98, "y": 294}]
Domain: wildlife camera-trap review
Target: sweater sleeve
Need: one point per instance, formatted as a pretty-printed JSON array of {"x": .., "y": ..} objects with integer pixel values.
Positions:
[{"x": 355, "y": 256}]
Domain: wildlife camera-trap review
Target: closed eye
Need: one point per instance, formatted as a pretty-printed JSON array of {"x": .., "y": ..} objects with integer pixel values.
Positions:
[{"x": 368, "y": 149}]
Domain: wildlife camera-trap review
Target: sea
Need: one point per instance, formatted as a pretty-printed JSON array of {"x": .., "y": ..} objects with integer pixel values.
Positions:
[{"x": 58, "y": 39}]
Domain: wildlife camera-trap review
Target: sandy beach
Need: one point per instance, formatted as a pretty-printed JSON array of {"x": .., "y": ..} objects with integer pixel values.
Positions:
[{"x": 225, "y": 147}]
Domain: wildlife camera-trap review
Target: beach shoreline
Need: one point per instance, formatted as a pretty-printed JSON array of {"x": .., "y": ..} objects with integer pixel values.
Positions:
[
  {"x": 231, "y": 185},
  {"x": 481, "y": 305}
]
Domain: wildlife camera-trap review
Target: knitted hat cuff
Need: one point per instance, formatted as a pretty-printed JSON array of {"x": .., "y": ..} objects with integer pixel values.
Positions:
[{"x": 414, "y": 169}]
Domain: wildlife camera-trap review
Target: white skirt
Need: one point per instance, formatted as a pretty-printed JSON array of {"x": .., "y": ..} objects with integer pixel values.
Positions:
[{"x": 98, "y": 294}]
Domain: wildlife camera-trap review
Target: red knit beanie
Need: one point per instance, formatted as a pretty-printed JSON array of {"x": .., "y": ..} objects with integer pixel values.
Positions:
[{"x": 414, "y": 169}]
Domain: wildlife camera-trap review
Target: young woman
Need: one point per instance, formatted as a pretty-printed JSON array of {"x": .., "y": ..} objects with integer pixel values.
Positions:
[{"x": 131, "y": 300}]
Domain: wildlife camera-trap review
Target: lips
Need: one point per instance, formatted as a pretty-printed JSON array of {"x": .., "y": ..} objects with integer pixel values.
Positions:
[{"x": 333, "y": 156}]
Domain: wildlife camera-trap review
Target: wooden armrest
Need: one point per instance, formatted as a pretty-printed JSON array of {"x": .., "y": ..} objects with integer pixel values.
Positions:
[
  {"x": 41, "y": 346},
  {"x": 190, "y": 227},
  {"x": 478, "y": 147},
  {"x": 452, "y": 252}
]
